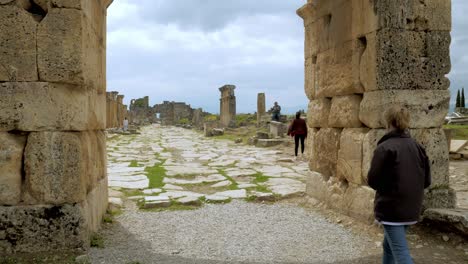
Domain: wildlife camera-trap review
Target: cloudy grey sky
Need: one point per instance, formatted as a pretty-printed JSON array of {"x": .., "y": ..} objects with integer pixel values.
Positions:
[{"x": 184, "y": 50}]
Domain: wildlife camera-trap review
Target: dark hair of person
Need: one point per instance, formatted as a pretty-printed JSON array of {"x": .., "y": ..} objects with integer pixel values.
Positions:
[
  {"x": 397, "y": 117},
  {"x": 298, "y": 115}
]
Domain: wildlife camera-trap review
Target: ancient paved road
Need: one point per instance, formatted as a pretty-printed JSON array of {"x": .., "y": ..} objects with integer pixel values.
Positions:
[
  {"x": 164, "y": 166},
  {"x": 187, "y": 166}
]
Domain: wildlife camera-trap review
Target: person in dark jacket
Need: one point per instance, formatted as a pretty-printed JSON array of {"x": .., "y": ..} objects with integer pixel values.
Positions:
[
  {"x": 399, "y": 173},
  {"x": 298, "y": 130}
]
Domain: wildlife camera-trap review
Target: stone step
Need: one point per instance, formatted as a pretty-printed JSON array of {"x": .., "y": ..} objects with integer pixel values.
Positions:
[
  {"x": 455, "y": 220},
  {"x": 264, "y": 143}
]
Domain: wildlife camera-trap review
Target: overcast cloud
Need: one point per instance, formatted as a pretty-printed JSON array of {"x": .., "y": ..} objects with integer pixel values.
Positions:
[{"x": 184, "y": 50}]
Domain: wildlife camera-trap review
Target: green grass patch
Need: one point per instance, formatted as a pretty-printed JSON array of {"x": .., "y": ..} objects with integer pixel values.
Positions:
[
  {"x": 261, "y": 188},
  {"x": 234, "y": 185},
  {"x": 133, "y": 164},
  {"x": 260, "y": 178},
  {"x": 131, "y": 192},
  {"x": 175, "y": 206},
  {"x": 97, "y": 241},
  {"x": 156, "y": 175},
  {"x": 246, "y": 120},
  {"x": 458, "y": 131}
]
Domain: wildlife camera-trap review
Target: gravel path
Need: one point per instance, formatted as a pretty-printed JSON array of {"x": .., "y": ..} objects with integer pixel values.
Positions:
[{"x": 238, "y": 232}]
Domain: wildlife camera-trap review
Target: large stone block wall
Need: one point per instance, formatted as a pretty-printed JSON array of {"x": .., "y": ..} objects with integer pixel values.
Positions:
[
  {"x": 53, "y": 183},
  {"x": 361, "y": 57},
  {"x": 116, "y": 111}
]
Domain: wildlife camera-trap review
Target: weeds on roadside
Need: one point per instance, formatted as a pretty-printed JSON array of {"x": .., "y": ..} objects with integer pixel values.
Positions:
[{"x": 97, "y": 241}]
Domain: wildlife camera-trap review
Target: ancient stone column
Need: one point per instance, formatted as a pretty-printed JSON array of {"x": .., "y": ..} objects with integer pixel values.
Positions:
[
  {"x": 261, "y": 107},
  {"x": 108, "y": 109},
  {"x": 53, "y": 182},
  {"x": 227, "y": 106},
  {"x": 361, "y": 57},
  {"x": 120, "y": 111}
]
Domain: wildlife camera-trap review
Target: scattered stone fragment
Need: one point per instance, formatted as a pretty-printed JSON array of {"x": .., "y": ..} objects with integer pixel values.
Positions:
[
  {"x": 156, "y": 202},
  {"x": 221, "y": 184},
  {"x": 246, "y": 185},
  {"x": 216, "y": 198},
  {"x": 152, "y": 191},
  {"x": 262, "y": 196},
  {"x": 172, "y": 187},
  {"x": 190, "y": 200},
  {"x": 235, "y": 194}
]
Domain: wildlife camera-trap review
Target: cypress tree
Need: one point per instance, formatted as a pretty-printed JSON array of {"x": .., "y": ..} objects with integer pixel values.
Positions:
[
  {"x": 463, "y": 98},
  {"x": 458, "y": 99}
]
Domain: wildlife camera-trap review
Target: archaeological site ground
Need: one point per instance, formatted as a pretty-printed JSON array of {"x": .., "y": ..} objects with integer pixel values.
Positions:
[{"x": 85, "y": 178}]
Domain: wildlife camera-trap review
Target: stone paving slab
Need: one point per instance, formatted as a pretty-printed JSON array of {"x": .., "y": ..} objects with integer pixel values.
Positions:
[{"x": 186, "y": 160}]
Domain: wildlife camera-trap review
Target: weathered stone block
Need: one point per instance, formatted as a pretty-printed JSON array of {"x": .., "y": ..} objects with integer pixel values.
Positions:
[
  {"x": 428, "y": 108},
  {"x": 310, "y": 81},
  {"x": 440, "y": 197},
  {"x": 358, "y": 202},
  {"x": 94, "y": 159},
  {"x": 353, "y": 200},
  {"x": 350, "y": 155},
  {"x": 17, "y": 44},
  {"x": 326, "y": 145},
  {"x": 430, "y": 15},
  {"x": 344, "y": 111},
  {"x": 95, "y": 206},
  {"x": 331, "y": 20},
  {"x": 310, "y": 145},
  {"x": 318, "y": 112},
  {"x": 11, "y": 164},
  {"x": 435, "y": 143},
  {"x": 59, "y": 46},
  {"x": 337, "y": 72},
  {"x": 41, "y": 228},
  {"x": 54, "y": 168},
  {"x": 399, "y": 59},
  {"x": 37, "y": 106}
]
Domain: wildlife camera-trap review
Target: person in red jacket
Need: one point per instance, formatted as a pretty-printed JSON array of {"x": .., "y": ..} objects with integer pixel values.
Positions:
[
  {"x": 298, "y": 130},
  {"x": 400, "y": 171}
]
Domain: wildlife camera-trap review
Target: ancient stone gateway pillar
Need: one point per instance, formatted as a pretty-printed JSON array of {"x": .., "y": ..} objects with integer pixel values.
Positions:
[
  {"x": 361, "y": 57},
  {"x": 261, "y": 107},
  {"x": 227, "y": 105},
  {"x": 53, "y": 184}
]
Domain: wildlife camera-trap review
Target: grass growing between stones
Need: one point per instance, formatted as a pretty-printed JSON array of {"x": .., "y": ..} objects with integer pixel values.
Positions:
[
  {"x": 133, "y": 164},
  {"x": 234, "y": 185},
  {"x": 175, "y": 206},
  {"x": 131, "y": 192},
  {"x": 260, "y": 178},
  {"x": 156, "y": 175}
]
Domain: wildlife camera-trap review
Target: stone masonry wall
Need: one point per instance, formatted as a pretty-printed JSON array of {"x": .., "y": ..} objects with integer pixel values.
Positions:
[
  {"x": 53, "y": 183},
  {"x": 361, "y": 57},
  {"x": 116, "y": 111}
]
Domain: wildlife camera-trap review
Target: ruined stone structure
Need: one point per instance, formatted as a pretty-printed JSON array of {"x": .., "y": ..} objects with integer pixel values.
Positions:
[
  {"x": 362, "y": 56},
  {"x": 198, "y": 118},
  {"x": 140, "y": 112},
  {"x": 172, "y": 113},
  {"x": 53, "y": 183},
  {"x": 227, "y": 106},
  {"x": 116, "y": 111}
]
